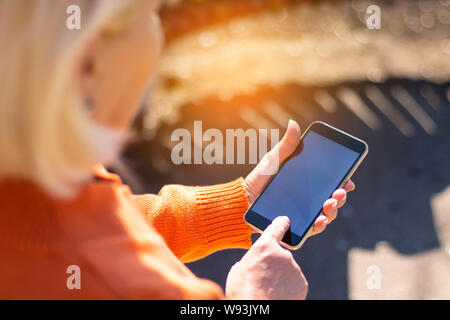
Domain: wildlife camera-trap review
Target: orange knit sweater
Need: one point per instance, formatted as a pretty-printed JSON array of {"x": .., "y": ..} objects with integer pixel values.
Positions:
[{"x": 105, "y": 233}]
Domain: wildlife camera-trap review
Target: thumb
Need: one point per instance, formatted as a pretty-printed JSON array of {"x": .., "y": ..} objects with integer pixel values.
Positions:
[
  {"x": 277, "y": 228},
  {"x": 282, "y": 149},
  {"x": 290, "y": 140},
  {"x": 267, "y": 167}
]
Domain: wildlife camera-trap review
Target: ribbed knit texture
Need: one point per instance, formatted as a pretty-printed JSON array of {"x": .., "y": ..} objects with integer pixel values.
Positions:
[
  {"x": 221, "y": 209},
  {"x": 197, "y": 221}
]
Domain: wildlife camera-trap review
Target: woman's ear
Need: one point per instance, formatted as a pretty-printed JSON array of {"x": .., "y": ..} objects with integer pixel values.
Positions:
[
  {"x": 86, "y": 73},
  {"x": 114, "y": 70}
]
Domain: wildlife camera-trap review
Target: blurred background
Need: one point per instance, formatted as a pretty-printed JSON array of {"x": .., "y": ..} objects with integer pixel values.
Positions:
[{"x": 257, "y": 63}]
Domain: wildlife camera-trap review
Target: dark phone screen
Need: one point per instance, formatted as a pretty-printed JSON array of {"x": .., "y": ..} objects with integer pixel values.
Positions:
[{"x": 305, "y": 181}]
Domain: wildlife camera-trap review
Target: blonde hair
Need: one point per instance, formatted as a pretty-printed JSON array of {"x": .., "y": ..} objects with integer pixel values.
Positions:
[{"x": 46, "y": 132}]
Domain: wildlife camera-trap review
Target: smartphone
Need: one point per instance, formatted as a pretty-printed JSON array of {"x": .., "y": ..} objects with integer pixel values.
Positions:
[{"x": 323, "y": 161}]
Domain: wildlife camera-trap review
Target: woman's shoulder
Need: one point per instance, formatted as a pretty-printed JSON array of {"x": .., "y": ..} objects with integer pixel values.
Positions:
[{"x": 100, "y": 232}]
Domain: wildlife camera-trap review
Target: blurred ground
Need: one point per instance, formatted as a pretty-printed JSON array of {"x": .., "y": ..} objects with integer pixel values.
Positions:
[{"x": 420, "y": 276}]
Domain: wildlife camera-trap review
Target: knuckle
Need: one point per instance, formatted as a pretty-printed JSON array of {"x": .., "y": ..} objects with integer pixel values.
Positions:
[
  {"x": 271, "y": 158},
  {"x": 266, "y": 161},
  {"x": 271, "y": 250},
  {"x": 263, "y": 249},
  {"x": 262, "y": 245},
  {"x": 269, "y": 155},
  {"x": 286, "y": 255},
  {"x": 282, "y": 256}
]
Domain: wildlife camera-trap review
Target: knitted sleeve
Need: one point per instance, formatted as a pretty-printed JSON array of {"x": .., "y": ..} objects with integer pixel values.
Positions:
[{"x": 197, "y": 221}]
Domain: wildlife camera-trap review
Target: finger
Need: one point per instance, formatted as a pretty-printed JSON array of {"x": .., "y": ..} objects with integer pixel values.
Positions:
[
  {"x": 277, "y": 228},
  {"x": 330, "y": 209},
  {"x": 320, "y": 224},
  {"x": 340, "y": 195},
  {"x": 349, "y": 186}
]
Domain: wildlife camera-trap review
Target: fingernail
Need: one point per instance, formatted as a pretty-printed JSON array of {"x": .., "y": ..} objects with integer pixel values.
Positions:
[{"x": 284, "y": 219}]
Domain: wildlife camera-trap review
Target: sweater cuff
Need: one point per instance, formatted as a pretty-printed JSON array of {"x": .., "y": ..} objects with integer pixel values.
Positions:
[{"x": 221, "y": 208}]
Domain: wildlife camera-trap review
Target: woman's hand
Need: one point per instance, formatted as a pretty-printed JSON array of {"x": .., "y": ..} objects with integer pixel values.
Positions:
[
  {"x": 258, "y": 178},
  {"x": 267, "y": 271}
]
